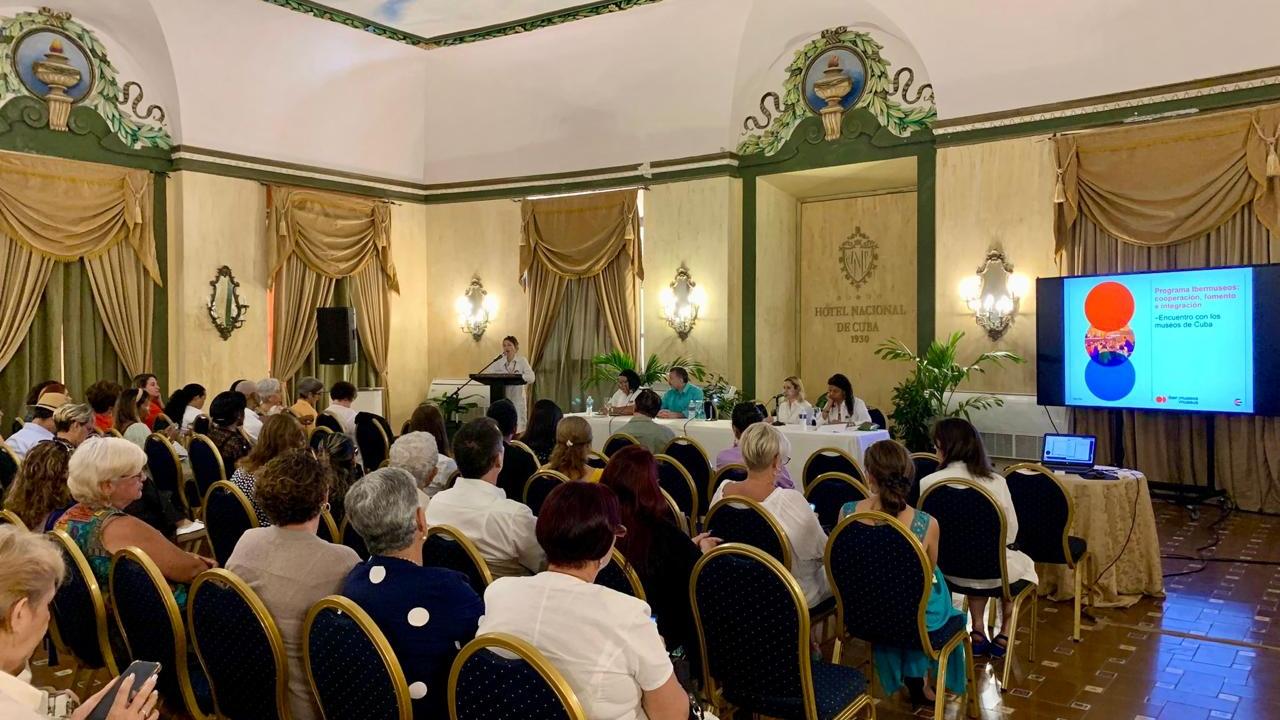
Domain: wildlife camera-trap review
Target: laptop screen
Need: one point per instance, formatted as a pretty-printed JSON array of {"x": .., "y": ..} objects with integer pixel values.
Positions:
[{"x": 1068, "y": 449}]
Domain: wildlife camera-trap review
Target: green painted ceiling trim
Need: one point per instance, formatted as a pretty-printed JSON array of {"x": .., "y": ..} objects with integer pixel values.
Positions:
[
  {"x": 24, "y": 127},
  {"x": 160, "y": 319},
  {"x": 514, "y": 27},
  {"x": 655, "y": 177},
  {"x": 285, "y": 178}
]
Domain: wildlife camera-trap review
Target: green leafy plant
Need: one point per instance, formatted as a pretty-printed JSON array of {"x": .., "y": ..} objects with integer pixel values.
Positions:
[
  {"x": 453, "y": 407},
  {"x": 605, "y": 369},
  {"x": 927, "y": 393},
  {"x": 723, "y": 395}
]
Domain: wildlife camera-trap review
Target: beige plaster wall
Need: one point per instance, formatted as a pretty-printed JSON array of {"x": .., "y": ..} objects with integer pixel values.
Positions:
[
  {"x": 777, "y": 232},
  {"x": 408, "y": 376}
]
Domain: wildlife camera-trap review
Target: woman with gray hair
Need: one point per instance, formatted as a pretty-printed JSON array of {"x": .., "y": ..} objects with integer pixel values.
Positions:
[
  {"x": 310, "y": 390},
  {"x": 426, "y": 613},
  {"x": 416, "y": 453}
]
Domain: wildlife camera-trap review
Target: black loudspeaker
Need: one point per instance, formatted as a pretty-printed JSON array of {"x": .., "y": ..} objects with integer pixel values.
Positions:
[{"x": 336, "y": 335}]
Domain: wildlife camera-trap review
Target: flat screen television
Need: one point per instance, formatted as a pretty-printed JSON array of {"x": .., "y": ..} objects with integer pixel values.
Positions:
[{"x": 1183, "y": 341}]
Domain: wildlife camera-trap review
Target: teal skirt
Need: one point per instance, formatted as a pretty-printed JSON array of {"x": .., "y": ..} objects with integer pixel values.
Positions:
[{"x": 895, "y": 663}]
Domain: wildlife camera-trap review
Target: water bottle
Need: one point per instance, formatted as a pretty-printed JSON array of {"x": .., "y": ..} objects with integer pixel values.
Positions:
[
  {"x": 577, "y": 402},
  {"x": 692, "y": 412},
  {"x": 591, "y": 405}
]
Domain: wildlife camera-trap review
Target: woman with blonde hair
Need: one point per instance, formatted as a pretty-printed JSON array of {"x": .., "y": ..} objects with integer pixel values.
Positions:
[
  {"x": 280, "y": 433},
  {"x": 792, "y": 405},
  {"x": 573, "y": 445},
  {"x": 31, "y": 569},
  {"x": 40, "y": 495}
]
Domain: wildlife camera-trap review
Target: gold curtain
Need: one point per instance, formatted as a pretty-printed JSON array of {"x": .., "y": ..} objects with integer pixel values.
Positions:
[
  {"x": 1171, "y": 181},
  {"x": 25, "y": 274},
  {"x": 596, "y": 235},
  {"x": 64, "y": 210},
  {"x": 319, "y": 237}
]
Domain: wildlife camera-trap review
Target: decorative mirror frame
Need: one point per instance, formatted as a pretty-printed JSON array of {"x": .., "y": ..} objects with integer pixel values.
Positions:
[
  {"x": 474, "y": 309},
  {"x": 680, "y": 293},
  {"x": 237, "y": 320},
  {"x": 993, "y": 319}
]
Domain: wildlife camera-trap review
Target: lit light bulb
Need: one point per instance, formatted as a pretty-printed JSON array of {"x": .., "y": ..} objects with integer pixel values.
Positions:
[
  {"x": 1019, "y": 285},
  {"x": 970, "y": 287},
  {"x": 490, "y": 305},
  {"x": 698, "y": 297},
  {"x": 1004, "y": 305}
]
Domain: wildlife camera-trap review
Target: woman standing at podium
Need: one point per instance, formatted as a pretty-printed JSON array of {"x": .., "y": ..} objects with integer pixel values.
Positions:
[{"x": 512, "y": 363}]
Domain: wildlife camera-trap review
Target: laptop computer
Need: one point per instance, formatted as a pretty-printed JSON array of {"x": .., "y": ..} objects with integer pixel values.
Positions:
[{"x": 1069, "y": 453}]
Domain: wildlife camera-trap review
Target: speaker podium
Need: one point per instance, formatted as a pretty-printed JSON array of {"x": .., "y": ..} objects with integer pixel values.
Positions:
[{"x": 497, "y": 383}]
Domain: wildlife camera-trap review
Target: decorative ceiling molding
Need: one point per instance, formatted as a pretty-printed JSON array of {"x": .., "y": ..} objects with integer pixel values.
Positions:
[{"x": 514, "y": 27}]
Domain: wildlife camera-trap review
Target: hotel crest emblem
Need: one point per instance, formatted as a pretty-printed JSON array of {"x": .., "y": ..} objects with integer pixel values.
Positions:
[{"x": 858, "y": 257}]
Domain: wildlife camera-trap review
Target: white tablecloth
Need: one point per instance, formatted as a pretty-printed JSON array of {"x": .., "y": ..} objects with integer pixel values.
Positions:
[{"x": 717, "y": 435}]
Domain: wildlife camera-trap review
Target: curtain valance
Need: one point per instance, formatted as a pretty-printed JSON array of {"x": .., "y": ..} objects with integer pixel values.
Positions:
[
  {"x": 1169, "y": 182},
  {"x": 580, "y": 235},
  {"x": 334, "y": 235}
]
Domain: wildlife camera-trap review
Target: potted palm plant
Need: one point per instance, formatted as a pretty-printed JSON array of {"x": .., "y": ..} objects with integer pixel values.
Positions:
[
  {"x": 926, "y": 394},
  {"x": 605, "y": 369}
]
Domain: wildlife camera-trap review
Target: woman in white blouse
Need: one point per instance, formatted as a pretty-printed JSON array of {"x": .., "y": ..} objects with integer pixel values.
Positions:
[
  {"x": 623, "y": 401},
  {"x": 843, "y": 407},
  {"x": 964, "y": 457},
  {"x": 793, "y": 403},
  {"x": 512, "y": 363},
  {"x": 765, "y": 452}
]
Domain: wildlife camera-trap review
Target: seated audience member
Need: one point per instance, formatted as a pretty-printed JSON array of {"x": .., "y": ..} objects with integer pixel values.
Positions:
[
  {"x": 338, "y": 450},
  {"x": 641, "y": 426},
  {"x": 427, "y": 613},
  {"x": 573, "y": 445},
  {"x": 744, "y": 416},
  {"x": 105, "y": 476},
  {"x": 270, "y": 392},
  {"x": 39, "y": 494},
  {"x": 341, "y": 395},
  {"x": 280, "y": 434},
  {"x": 72, "y": 423},
  {"x": 428, "y": 418},
  {"x": 185, "y": 405},
  {"x": 512, "y": 478},
  {"x": 765, "y": 452},
  {"x": 623, "y": 401},
  {"x": 659, "y": 551},
  {"x": 604, "y": 643},
  {"x": 154, "y": 407},
  {"x": 40, "y": 428},
  {"x": 40, "y": 388},
  {"x": 130, "y": 407},
  {"x": 792, "y": 404},
  {"x": 676, "y": 401},
  {"x": 310, "y": 390},
  {"x": 540, "y": 435},
  {"x": 416, "y": 454},
  {"x": 252, "y": 420},
  {"x": 31, "y": 569},
  {"x": 226, "y": 416},
  {"x": 505, "y": 415},
  {"x": 889, "y": 473},
  {"x": 287, "y": 564},
  {"x": 963, "y": 456},
  {"x": 102, "y": 396},
  {"x": 843, "y": 408},
  {"x": 502, "y": 529}
]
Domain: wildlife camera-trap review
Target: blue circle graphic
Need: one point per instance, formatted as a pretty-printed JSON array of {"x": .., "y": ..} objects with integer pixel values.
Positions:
[{"x": 1110, "y": 382}]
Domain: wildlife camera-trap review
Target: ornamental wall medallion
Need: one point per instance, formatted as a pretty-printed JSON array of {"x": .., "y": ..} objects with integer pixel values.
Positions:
[{"x": 858, "y": 257}]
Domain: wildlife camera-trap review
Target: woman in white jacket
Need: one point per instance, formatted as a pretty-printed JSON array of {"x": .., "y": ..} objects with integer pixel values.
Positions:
[{"x": 512, "y": 363}]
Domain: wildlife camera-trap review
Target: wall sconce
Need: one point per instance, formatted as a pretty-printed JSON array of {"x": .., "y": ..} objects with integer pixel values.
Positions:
[
  {"x": 681, "y": 303},
  {"x": 993, "y": 293},
  {"x": 475, "y": 308}
]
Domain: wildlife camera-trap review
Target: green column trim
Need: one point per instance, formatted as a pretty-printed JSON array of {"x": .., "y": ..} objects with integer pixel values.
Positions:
[
  {"x": 748, "y": 305},
  {"x": 160, "y": 319},
  {"x": 926, "y": 247}
]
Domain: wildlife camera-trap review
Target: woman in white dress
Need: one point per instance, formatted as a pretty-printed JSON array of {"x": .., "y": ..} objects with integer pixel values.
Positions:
[
  {"x": 964, "y": 457},
  {"x": 765, "y": 452},
  {"x": 793, "y": 403},
  {"x": 623, "y": 401},
  {"x": 843, "y": 407},
  {"x": 510, "y": 362}
]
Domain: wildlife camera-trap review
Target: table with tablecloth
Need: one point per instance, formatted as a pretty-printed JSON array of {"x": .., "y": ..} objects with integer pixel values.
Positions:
[
  {"x": 717, "y": 435},
  {"x": 1107, "y": 512}
]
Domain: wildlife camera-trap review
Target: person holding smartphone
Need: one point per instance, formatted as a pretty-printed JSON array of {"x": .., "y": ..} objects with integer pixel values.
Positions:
[{"x": 31, "y": 569}]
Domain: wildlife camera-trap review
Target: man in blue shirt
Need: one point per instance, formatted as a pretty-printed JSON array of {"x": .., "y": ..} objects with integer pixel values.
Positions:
[{"x": 675, "y": 403}]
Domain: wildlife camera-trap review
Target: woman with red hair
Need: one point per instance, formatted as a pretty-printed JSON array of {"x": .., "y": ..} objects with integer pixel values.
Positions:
[{"x": 661, "y": 554}]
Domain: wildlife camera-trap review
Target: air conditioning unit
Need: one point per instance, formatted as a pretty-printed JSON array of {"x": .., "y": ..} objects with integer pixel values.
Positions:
[{"x": 1016, "y": 430}]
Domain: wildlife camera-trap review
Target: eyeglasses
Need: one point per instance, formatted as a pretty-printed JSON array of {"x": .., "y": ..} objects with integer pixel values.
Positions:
[
  {"x": 620, "y": 532},
  {"x": 139, "y": 476}
]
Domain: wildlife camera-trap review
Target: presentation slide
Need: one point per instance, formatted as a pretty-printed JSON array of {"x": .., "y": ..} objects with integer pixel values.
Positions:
[{"x": 1160, "y": 341}]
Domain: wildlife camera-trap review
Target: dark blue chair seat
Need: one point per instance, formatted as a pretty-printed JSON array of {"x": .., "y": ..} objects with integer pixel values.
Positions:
[
  {"x": 835, "y": 687},
  {"x": 241, "y": 653},
  {"x": 1015, "y": 589},
  {"x": 447, "y": 548},
  {"x": 739, "y": 520},
  {"x": 938, "y": 638},
  {"x": 350, "y": 664},
  {"x": 526, "y": 687}
]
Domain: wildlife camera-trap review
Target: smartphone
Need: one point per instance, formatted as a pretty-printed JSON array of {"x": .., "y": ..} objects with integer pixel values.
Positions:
[{"x": 141, "y": 671}]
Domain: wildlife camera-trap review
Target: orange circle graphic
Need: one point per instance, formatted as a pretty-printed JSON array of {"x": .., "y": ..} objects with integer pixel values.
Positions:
[{"x": 1109, "y": 306}]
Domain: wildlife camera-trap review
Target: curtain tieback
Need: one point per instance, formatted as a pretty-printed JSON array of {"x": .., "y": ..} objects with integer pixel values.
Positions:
[
  {"x": 1273, "y": 160},
  {"x": 1059, "y": 189}
]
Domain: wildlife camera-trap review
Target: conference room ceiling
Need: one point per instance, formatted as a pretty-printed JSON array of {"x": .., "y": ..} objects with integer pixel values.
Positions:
[{"x": 436, "y": 18}]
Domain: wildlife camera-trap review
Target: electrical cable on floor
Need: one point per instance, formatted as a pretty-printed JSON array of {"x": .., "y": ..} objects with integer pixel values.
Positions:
[
  {"x": 1228, "y": 507},
  {"x": 1133, "y": 522}
]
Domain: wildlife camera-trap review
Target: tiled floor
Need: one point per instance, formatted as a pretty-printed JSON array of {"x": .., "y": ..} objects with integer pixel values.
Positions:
[{"x": 1207, "y": 650}]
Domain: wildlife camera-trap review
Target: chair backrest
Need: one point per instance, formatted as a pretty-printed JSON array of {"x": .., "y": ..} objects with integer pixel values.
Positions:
[
  {"x": 676, "y": 480},
  {"x": 881, "y": 578},
  {"x": 1045, "y": 510},
  {"x": 352, "y": 539},
  {"x": 328, "y": 529},
  {"x": 694, "y": 458},
  {"x": 206, "y": 463},
  {"x": 240, "y": 648},
  {"x": 318, "y": 432},
  {"x": 755, "y": 648},
  {"x": 925, "y": 464},
  {"x": 447, "y": 548},
  {"x": 373, "y": 439},
  {"x": 518, "y": 465},
  {"x": 681, "y": 520},
  {"x": 974, "y": 542},
  {"x": 148, "y": 618},
  {"x": 166, "y": 469},
  {"x": 328, "y": 422},
  {"x": 737, "y": 472},
  {"x": 7, "y": 517},
  {"x": 114, "y": 433},
  {"x": 9, "y": 466},
  {"x": 877, "y": 417},
  {"x": 540, "y": 486},
  {"x": 829, "y": 460},
  {"x": 829, "y": 492},
  {"x": 79, "y": 612},
  {"x": 597, "y": 460},
  {"x": 620, "y": 576},
  {"x": 617, "y": 441},
  {"x": 496, "y": 686},
  {"x": 352, "y": 669},
  {"x": 743, "y": 520},
  {"x": 228, "y": 514}
]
